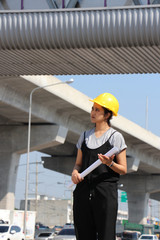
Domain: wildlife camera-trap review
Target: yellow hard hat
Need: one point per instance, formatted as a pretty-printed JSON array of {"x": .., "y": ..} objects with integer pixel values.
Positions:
[{"x": 108, "y": 101}]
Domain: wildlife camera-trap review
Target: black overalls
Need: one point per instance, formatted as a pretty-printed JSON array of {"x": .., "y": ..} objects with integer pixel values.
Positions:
[{"x": 96, "y": 198}]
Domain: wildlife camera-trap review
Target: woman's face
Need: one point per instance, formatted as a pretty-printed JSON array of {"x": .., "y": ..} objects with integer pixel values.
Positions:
[{"x": 97, "y": 114}]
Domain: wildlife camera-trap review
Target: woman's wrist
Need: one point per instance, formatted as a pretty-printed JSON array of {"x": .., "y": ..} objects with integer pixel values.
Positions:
[
  {"x": 111, "y": 165},
  {"x": 76, "y": 168},
  {"x": 75, "y": 171}
]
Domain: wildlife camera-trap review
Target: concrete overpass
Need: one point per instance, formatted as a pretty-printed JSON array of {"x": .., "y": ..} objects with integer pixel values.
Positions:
[{"x": 57, "y": 121}]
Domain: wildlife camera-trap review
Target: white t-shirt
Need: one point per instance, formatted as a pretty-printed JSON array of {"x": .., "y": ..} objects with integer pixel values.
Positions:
[{"x": 92, "y": 142}]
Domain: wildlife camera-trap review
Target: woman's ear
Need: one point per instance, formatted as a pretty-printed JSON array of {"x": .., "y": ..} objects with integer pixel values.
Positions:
[{"x": 107, "y": 115}]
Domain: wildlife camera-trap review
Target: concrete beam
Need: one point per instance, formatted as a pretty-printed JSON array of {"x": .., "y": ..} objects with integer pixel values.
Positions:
[
  {"x": 62, "y": 164},
  {"x": 59, "y": 164},
  {"x": 153, "y": 185},
  {"x": 62, "y": 116},
  {"x": 138, "y": 133},
  {"x": 149, "y": 159},
  {"x": 140, "y": 183},
  {"x": 132, "y": 164},
  {"x": 18, "y": 103},
  {"x": 155, "y": 196},
  {"x": 41, "y": 137}
]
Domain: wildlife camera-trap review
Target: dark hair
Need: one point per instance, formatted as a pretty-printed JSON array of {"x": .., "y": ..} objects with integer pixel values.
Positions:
[{"x": 106, "y": 111}]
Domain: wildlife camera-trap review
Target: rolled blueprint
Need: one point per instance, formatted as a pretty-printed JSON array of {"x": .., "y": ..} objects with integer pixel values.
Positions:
[{"x": 111, "y": 152}]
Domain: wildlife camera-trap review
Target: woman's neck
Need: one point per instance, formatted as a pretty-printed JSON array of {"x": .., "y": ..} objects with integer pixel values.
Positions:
[{"x": 102, "y": 127}]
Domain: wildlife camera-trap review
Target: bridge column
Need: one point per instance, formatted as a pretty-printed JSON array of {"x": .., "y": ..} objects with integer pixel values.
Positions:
[
  {"x": 138, "y": 196},
  {"x": 139, "y": 189},
  {"x": 8, "y": 167},
  {"x": 13, "y": 143},
  {"x": 8, "y": 173},
  {"x": 137, "y": 207}
]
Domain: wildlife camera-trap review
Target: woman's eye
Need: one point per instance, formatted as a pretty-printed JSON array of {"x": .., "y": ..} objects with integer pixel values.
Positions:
[{"x": 95, "y": 109}]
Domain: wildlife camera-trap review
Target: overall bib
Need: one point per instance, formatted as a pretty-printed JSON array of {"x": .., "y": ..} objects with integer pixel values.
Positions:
[{"x": 96, "y": 198}]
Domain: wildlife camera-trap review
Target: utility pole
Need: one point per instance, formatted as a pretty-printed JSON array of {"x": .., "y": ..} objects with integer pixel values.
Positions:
[
  {"x": 29, "y": 143},
  {"x": 36, "y": 192}
]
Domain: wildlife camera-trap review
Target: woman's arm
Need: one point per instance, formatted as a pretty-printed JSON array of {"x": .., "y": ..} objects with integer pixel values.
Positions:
[
  {"x": 119, "y": 167},
  {"x": 76, "y": 178}
]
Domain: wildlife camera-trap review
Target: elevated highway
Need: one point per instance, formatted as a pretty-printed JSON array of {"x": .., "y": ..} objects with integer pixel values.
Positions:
[{"x": 59, "y": 115}]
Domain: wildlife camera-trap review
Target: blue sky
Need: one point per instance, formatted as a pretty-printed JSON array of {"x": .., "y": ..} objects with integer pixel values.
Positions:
[{"x": 131, "y": 92}]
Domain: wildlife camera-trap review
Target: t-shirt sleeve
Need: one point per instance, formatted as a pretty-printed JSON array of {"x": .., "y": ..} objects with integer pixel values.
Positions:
[
  {"x": 80, "y": 141},
  {"x": 118, "y": 141}
]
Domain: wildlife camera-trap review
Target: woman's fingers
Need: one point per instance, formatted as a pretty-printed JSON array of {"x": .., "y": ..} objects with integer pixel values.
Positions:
[
  {"x": 76, "y": 178},
  {"x": 106, "y": 160}
]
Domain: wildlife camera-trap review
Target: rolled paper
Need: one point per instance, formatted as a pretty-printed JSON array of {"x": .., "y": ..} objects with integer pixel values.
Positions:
[{"x": 111, "y": 152}]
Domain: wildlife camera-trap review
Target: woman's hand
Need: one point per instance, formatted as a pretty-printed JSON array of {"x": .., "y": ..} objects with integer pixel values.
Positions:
[
  {"x": 76, "y": 177},
  {"x": 106, "y": 160},
  {"x": 120, "y": 166}
]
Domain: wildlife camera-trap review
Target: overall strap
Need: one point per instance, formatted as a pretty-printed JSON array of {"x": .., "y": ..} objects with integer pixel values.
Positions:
[
  {"x": 111, "y": 136},
  {"x": 84, "y": 135}
]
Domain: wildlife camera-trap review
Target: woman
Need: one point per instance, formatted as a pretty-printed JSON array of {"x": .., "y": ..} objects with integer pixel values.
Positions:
[{"x": 95, "y": 197}]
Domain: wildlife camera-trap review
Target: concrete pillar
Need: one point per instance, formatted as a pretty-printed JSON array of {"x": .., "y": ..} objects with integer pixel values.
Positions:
[
  {"x": 8, "y": 168},
  {"x": 8, "y": 173},
  {"x": 139, "y": 188},
  {"x": 13, "y": 142},
  {"x": 138, "y": 207}
]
